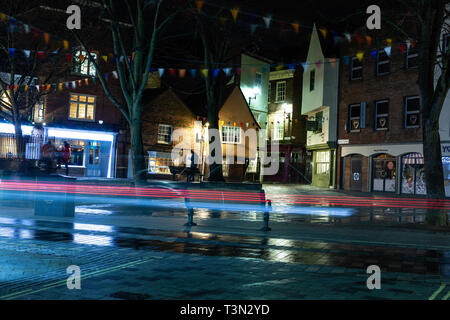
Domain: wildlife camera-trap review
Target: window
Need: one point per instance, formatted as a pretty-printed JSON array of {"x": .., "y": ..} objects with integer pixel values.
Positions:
[
  {"x": 165, "y": 134},
  {"x": 384, "y": 172},
  {"x": 269, "y": 91},
  {"x": 322, "y": 162},
  {"x": 355, "y": 117},
  {"x": 82, "y": 107},
  {"x": 411, "y": 58},
  {"x": 319, "y": 121},
  {"x": 356, "y": 70},
  {"x": 382, "y": 115},
  {"x": 159, "y": 162},
  {"x": 278, "y": 131},
  {"x": 312, "y": 79},
  {"x": 39, "y": 112},
  {"x": 5, "y": 102},
  {"x": 281, "y": 91},
  {"x": 76, "y": 150},
  {"x": 383, "y": 63},
  {"x": 231, "y": 134},
  {"x": 412, "y": 112},
  {"x": 81, "y": 64}
]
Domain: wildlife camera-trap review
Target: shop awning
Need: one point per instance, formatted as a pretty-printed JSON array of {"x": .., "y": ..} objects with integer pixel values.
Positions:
[{"x": 413, "y": 158}]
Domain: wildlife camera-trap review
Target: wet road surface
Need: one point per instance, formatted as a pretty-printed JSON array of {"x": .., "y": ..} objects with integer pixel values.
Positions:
[{"x": 140, "y": 262}]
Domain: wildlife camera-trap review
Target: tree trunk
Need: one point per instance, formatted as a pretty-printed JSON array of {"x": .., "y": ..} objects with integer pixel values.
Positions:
[
  {"x": 433, "y": 160},
  {"x": 434, "y": 173},
  {"x": 137, "y": 152},
  {"x": 19, "y": 141},
  {"x": 215, "y": 169}
]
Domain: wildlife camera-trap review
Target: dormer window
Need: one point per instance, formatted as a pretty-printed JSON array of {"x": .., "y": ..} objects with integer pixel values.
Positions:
[{"x": 81, "y": 64}]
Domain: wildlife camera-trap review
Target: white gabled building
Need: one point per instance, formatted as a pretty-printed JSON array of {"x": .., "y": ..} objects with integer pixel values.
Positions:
[{"x": 319, "y": 104}]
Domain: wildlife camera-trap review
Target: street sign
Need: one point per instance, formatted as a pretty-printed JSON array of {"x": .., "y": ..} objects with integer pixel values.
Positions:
[{"x": 343, "y": 141}]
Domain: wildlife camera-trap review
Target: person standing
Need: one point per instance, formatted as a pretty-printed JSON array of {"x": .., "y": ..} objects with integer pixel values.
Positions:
[
  {"x": 192, "y": 167},
  {"x": 66, "y": 155}
]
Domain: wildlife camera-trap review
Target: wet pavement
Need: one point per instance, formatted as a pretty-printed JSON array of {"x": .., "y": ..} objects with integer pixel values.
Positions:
[{"x": 138, "y": 252}]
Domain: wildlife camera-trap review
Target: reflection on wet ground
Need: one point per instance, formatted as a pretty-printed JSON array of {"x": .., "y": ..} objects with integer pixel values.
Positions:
[
  {"x": 393, "y": 259},
  {"x": 360, "y": 215}
]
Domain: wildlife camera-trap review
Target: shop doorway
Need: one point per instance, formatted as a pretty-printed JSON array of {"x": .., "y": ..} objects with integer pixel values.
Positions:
[
  {"x": 93, "y": 161},
  {"x": 384, "y": 173},
  {"x": 356, "y": 174}
]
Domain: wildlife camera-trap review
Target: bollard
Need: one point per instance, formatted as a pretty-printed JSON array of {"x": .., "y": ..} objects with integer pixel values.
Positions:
[
  {"x": 190, "y": 221},
  {"x": 266, "y": 217}
]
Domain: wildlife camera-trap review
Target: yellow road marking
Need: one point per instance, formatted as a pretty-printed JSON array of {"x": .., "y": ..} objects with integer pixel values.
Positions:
[
  {"x": 435, "y": 294},
  {"x": 63, "y": 282},
  {"x": 15, "y": 293},
  {"x": 446, "y": 296}
]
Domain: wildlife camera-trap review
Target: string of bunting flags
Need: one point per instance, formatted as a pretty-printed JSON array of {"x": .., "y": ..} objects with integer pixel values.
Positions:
[
  {"x": 15, "y": 25},
  {"x": 241, "y": 124}
]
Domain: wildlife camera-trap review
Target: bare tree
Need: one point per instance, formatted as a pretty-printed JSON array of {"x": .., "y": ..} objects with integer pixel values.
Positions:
[
  {"x": 134, "y": 60},
  {"x": 19, "y": 75},
  {"x": 434, "y": 82}
]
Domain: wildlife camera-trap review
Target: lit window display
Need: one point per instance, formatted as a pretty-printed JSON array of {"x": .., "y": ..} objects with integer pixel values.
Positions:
[
  {"x": 413, "y": 174},
  {"x": 384, "y": 171},
  {"x": 159, "y": 162}
]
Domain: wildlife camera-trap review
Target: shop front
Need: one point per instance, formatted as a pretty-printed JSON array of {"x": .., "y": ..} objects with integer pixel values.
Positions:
[
  {"x": 446, "y": 165},
  {"x": 92, "y": 152},
  {"x": 393, "y": 168},
  {"x": 413, "y": 174},
  {"x": 323, "y": 164},
  {"x": 384, "y": 173}
]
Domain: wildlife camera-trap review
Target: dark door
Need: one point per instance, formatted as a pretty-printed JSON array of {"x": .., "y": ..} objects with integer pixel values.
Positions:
[{"x": 356, "y": 176}]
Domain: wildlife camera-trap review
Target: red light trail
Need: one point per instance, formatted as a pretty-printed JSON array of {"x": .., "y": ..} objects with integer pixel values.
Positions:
[{"x": 224, "y": 196}]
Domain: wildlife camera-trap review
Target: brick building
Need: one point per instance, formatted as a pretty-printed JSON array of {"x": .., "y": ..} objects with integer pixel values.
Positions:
[
  {"x": 287, "y": 126},
  {"x": 171, "y": 126},
  {"x": 75, "y": 108},
  {"x": 379, "y": 126}
]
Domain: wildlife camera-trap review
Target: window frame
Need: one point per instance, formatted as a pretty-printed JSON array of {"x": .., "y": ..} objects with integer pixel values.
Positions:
[
  {"x": 277, "y": 94},
  {"x": 321, "y": 163},
  {"x": 406, "y": 112},
  {"x": 78, "y": 106},
  {"x": 409, "y": 56},
  {"x": 378, "y": 63},
  {"x": 89, "y": 67},
  {"x": 354, "y": 118},
  {"x": 234, "y": 129},
  {"x": 42, "y": 102},
  {"x": 352, "y": 68},
  {"x": 278, "y": 128},
  {"x": 376, "y": 103},
  {"x": 163, "y": 125}
]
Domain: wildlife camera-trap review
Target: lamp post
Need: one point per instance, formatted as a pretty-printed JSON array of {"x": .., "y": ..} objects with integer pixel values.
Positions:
[{"x": 206, "y": 125}]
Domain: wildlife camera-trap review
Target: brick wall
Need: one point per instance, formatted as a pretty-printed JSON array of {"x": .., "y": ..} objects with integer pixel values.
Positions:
[{"x": 395, "y": 86}]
